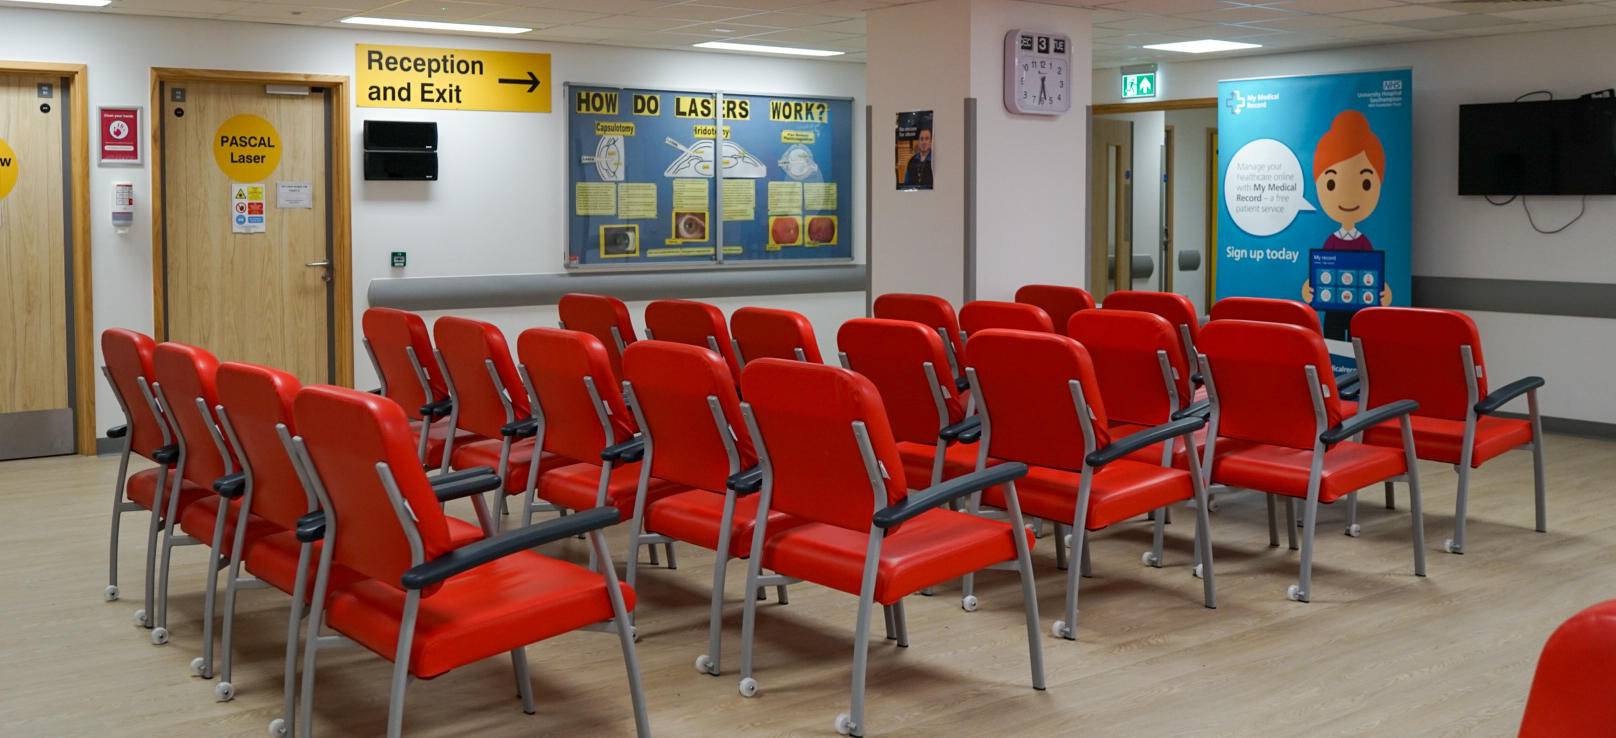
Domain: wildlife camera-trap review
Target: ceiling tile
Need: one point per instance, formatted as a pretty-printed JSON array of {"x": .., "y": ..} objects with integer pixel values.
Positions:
[
  {"x": 694, "y": 12},
  {"x": 539, "y": 16},
  {"x": 1330, "y": 7},
  {"x": 1401, "y": 13},
  {"x": 609, "y": 7},
  {"x": 797, "y": 36},
  {"x": 1558, "y": 13},
  {"x": 1251, "y": 14},
  {"x": 1165, "y": 7},
  {"x": 790, "y": 20},
  {"x": 1309, "y": 23},
  {"x": 198, "y": 8},
  {"x": 1460, "y": 22},
  {"x": 844, "y": 8},
  {"x": 438, "y": 10},
  {"x": 1153, "y": 23},
  {"x": 278, "y": 13}
]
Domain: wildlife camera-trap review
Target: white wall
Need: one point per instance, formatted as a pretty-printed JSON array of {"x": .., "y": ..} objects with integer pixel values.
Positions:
[
  {"x": 500, "y": 205},
  {"x": 1464, "y": 236}
]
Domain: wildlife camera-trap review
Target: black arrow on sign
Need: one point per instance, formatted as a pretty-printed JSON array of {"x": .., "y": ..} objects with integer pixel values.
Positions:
[{"x": 532, "y": 81}]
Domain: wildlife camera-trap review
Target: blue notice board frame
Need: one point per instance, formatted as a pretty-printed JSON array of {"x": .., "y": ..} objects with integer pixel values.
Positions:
[{"x": 643, "y": 192}]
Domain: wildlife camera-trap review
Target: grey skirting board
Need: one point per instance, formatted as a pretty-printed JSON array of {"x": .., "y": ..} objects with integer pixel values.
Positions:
[
  {"x": 516, "y": 290},
  {"x": 1575, "y": 299}
]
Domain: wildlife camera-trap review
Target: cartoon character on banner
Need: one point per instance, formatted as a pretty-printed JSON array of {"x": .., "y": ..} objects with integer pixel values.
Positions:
[{"x": 1349, "y": 167}]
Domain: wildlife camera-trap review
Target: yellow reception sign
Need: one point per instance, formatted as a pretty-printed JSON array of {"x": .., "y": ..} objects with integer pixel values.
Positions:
[
  {"x": 8, "y": 169},
  {"x": 247, "y": 148},
  {"x": 452, "y": 79}
]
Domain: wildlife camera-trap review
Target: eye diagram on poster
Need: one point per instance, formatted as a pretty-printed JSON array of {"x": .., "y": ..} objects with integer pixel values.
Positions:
[
  {"x": 913, "y": 149},
  {"x": 664, "y": 177}
]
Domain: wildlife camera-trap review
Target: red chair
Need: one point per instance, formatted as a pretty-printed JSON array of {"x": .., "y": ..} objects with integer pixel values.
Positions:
[
  {"x": 583, "y": 423},
  {"x": 128, "y": 369},
  {"x": 1571, "y": 691},
  {"x": 690, "y": 419},
  {"x": 1041, "y": 406},
  {"x": 765, "y": 333},
  {"x": 185, "y": 398},
  {"x": 1176, "y": 309},
  {"x": 1059, "y": 301},
  {"x": 488, "y": 402},
  {"x": 1267, "y": 310},
  {"x": 401, "y": 350},
  {"x": 693, "y": 323},
  {"x": 1277, "y": 427},
  {"x": 603, "y": 317},
  {"x": 830, "y": 464},
  {"x": 934, "y": 313},
  {"x": 429, "y": 605},
  {"x": 981, "y": 315},
  {"x": 1434, "y": 358},
  {"x": 928, "y": 415}
]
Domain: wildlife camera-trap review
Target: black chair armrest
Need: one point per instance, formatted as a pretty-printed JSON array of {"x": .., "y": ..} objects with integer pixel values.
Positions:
[
  {"x": 1197, "y": 380},
  {"x": 956, "y": 431},
  {"x": 626, "y": 452},
  {"x": 455, "y": 489},
  {"x": 746, "y": 481},
  {"x": 311, "y": 527},
  {"x": 1348, "y": 385},
  {"x": 962, "y": 383},
  {"x": 231, "y": 486},
  {"x": 455, "y": 476},
  {"x": 481, "y": 552},
  {"x": 525, "y": 428},
  {"x": 1496, "y": 399},
  {"x": 118, "y": 431},
  {"x": 1145, "y": 438},
  {"x": 1201, "y": 408},
  {"x": 166, "y": 454},
  {"x": 942, "y": 492},
  {"x": 1366, "y": 419},
  {"x": 439, "y": 409}
]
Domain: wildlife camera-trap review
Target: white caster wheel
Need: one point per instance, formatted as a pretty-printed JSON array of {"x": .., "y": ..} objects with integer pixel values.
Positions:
[
  {"x": 1212, "y": 505},
  {"x": 969, "y": 603},
  {"x": 1295, "y": 593},
  {"x": 704, "y": 664},
  {"x": 1067, "y": 540},
  {"x": 1059, "y": 630},
  {"x": 140, "y": 619},
  {"x": 844, "y": 724},
  {"x": 749, "y": 687},
  {"x": 277, "y": 728},
  {"x": 224, "y": 692},
  {"x": 159, "y": 636},
  {"x": 1354, "y": 529},
  {"x": 111, "y": 593},
  {"x": 199, "y": 667},
  {"x": 1150, "y": 559},
  {"x": 1198, "y": 572},
  {"x": 634, "y": 633},
  {"x": 1451, "y": 547}
]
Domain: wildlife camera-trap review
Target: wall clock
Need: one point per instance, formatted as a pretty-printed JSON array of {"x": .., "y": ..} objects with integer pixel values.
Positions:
[{"x": 1037, "y": 72}]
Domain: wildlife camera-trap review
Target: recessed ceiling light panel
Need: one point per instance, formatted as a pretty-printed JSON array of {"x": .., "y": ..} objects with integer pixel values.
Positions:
[{"x": 1203, "y": 46}]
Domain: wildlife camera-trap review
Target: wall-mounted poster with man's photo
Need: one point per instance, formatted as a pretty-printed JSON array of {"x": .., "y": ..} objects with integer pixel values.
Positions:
[{"x": 914, "y": 150}]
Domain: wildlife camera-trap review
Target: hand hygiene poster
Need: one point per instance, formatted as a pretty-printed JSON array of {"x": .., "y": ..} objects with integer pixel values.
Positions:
[{"x": 1317, "y": 192}]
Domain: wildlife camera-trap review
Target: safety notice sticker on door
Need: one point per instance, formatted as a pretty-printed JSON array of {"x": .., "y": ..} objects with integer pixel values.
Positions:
[{"x": 246, "y": 208}]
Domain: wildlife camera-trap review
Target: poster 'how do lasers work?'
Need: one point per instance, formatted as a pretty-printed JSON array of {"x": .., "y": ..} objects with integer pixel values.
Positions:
[{"x": 1316, "y": 192}]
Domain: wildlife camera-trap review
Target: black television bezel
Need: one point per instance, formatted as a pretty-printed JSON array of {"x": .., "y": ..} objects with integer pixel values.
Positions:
[{"x": 1560, "y": 187}]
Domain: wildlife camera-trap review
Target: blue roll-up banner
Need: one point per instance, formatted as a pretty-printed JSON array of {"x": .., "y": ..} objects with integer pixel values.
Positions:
[{"x": 1317, "y": 193}]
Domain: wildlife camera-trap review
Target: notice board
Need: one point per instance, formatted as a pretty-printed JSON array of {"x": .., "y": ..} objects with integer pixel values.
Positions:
[{"x": 664, "y": 177}]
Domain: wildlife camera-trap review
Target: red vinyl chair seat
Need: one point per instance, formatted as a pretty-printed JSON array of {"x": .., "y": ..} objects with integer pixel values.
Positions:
[
  {"x": 142, "y": 490},
  {"x": 273, "y": 558},
  {"x": 935, "y": 547},
  {"x": 694, "y": 516},
  {"x": 1118, "y": 492},
  {"x": 494, "y": 608},
  {"x": 960, "y": 458},
  {"x": 486, "y": 453},
  {"x": 1152, "y": 454},
  {"x": 198, "y": 518},
  {"x": 1572, "y": 686},
  {"x": 438, "y": 434},
  {"x": 1442, "y": 439},
  {"x": 575, "y": 487},
  {"x": 1348, "y": 467}
]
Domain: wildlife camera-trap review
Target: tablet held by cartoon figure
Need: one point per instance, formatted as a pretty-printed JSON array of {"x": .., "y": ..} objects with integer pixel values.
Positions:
[{"x": 1348, "y": 167}]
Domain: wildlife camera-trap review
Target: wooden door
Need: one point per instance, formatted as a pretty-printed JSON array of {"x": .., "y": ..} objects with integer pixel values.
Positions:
[
  {"x": 1111, "y": 203},
  {"x": 262, "y": 297},
  {"x": 36, "y": 414}
]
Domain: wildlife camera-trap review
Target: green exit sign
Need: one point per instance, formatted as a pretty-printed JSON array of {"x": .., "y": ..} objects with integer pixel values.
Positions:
[{"x": 1139, "y": 81}]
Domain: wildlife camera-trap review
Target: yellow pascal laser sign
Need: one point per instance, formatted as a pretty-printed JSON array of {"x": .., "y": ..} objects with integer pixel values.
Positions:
[
  {"x": 247, "y": 148},
  {"x": 8, "y": 169},
  {"x": 451, "y": 79}
]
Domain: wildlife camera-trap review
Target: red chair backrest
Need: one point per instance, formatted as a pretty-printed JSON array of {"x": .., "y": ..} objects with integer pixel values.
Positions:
[
  {"x": 1267, "y": 310},
  {"x": 597, "y": 315},
  {"x": 186, "y": 373},
  {"x": 347, "y": 433},
  {"x": 391, "y": 331},
  {"x": 891, "y": 353},
  {"x": 1413, "y": 354},
  {"x": 928, "y": 310},
  {"x": 766, "y": 333},
  {"x": 1059, "y": 301},
  {"x": 805, "y": 414},
  {"x": 693, "y": 323},
  {"x": 558, "y": 361},
  {"x": 256, "y": 399},
  {"x": 128, "y": 357},
  {"x": 1024, "y": 380},
  {"x": 981, "y": 315},
  {"x": 466, "y": 345},
  {"x": 1177, "y": 309},
  {"x": 1258, "y": 371},
  {"x": 1576, "y": 675},
  {"x": 1123, "y": 345},
  {"x": 672, "y": 382}
]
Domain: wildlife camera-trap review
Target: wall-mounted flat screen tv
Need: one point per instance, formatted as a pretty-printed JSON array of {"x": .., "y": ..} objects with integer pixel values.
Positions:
[{"x": 1547, "y": 147}]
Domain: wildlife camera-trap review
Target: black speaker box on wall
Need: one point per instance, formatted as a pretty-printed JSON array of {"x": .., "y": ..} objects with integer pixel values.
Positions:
[
  {"x": 401, "y": 150},
  {"x": 411, "y": 165}
]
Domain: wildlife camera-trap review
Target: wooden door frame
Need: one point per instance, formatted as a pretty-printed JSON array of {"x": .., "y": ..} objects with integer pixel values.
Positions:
[
  {"x": 83, "y": 328},
  {"x": 341, "y": 197}
]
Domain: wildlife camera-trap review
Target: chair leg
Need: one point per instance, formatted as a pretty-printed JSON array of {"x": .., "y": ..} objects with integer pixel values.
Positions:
[
  {"x": 227, "y": 630},
  {"x": 892, "y": 628},
  {"x": 656, "y": 560},
  {"x": 1154, "y": 558},
  {"x": 524, "y": 681},
  {"x": 1391, "y": 497},
  {"x": 147, "y": 615},
  {"x": 715, "y": 611},
  {"x": 1061, "y": 532},
  {"x": 1415, "y": 514},
  {"x": 780, "y": 593},
  {"x": 1537, "y": 468},
  {"x": 673, "y": 563},
  {"x": 1352, "y": 515},
  {"x": 902, "y": 623},
  {"x": 1203, "y": 551},
  {"x": 1456, "y": 543},
  {"x": 1273, "y": 522},
  {"x": 1084, "y": 563},
  {"x": 861, "y": 656},
  {"x": 286, "y": 725},
  {"x": 1304, "y": 583},
  {"x": 1290, "y": 521},
  {"x": 118, "y": 510},
  {"x": 625, "y": 636},
  {"x": 1029, "y": 605},
  {"x": 211, "y": 591},
  {"x": 1080, "y": 543},
  {"x": 395, "y": 693}
]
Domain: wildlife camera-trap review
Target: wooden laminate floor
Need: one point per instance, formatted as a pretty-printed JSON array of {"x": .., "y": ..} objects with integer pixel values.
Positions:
[{"x": 1377, "y": 652}]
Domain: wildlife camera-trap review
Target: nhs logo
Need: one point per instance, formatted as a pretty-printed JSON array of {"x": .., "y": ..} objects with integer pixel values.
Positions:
[{"x": 1391, "y": 84}]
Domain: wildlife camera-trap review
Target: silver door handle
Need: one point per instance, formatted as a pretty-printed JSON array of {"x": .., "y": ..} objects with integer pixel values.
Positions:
[
  {"x": 318, "y": 264},
  {"x": 325, "y": 267}
]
